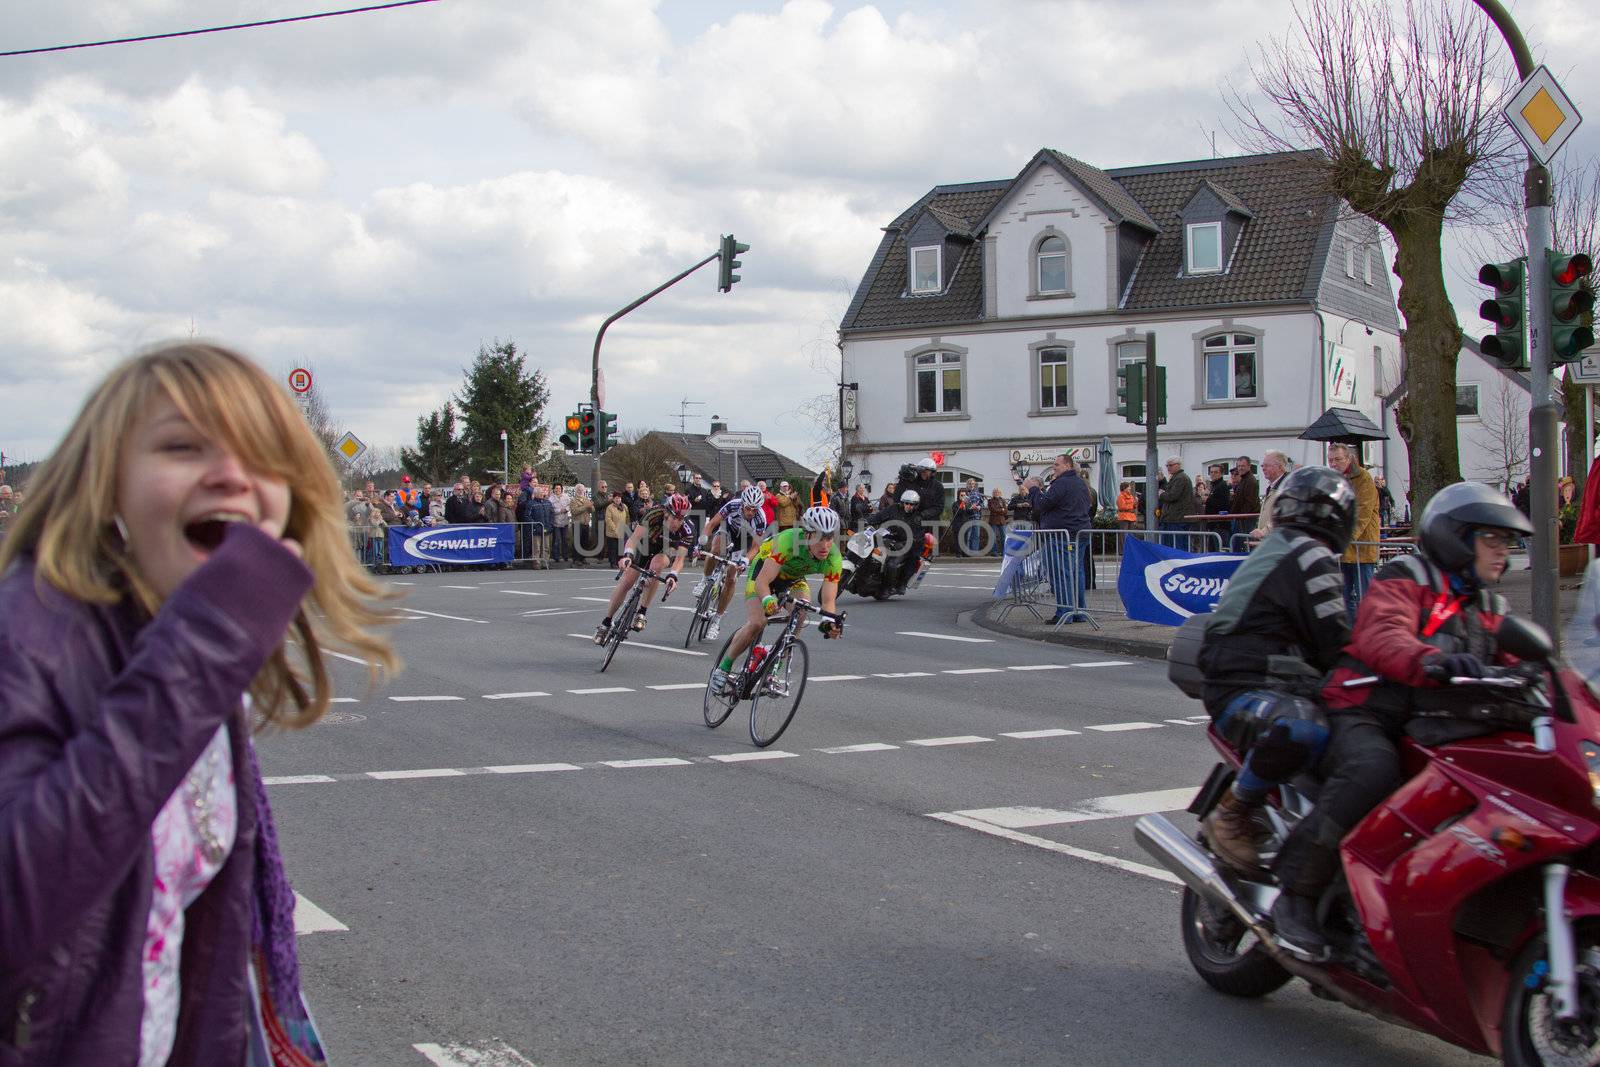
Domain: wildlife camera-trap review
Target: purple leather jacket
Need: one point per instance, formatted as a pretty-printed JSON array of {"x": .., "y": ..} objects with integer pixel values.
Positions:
[{"x": 103, "y": 710}]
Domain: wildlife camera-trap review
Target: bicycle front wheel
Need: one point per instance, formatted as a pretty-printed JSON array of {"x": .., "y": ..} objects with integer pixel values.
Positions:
[
  {"x": 698, "y": 621},
  {"x": 620, "y": 625},
  {"x": 718, "y": 708},
  {"x": 777, "y": 692}
]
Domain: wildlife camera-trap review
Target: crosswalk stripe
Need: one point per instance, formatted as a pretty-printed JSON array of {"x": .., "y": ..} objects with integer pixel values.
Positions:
[{"x": 1111, "y": 807}]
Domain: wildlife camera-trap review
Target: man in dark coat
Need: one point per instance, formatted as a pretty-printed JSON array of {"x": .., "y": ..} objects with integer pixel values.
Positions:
[{"x": 1063, "y": 507}]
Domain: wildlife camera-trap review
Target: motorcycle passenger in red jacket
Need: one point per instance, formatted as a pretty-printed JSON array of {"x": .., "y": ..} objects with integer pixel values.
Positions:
[{"x": 1424, "y": 619}]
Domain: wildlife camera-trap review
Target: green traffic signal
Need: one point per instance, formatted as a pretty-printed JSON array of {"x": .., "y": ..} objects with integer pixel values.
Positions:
[
  {"x": 1506, "y": 345},
  {"x": 1130, "y": 392},
  {"x": 1571, "y": 306},
  {"x": 728, "y": 264}
]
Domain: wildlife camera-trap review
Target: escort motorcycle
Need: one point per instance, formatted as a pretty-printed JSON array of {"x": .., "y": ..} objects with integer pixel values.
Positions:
[
  {"x": 865, "y": 555},
  {"x": 1469, "y": 901}
]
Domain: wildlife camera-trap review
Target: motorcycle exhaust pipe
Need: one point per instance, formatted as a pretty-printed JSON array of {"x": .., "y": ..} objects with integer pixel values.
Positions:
[{"x": 1174, "y": 850}]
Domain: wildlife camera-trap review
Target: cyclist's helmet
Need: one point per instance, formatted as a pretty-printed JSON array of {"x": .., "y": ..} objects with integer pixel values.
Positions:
[
  {"x": 910, "y": 496},
  {"x": 678, "y": 504},
  {"x": 1445, "y": 533},
  {"x": 927, "y": 464},
  {"x": 751, "y": 497},
  {"x": 820, "y": 520},
  {"x": 1317, "y": 501}
]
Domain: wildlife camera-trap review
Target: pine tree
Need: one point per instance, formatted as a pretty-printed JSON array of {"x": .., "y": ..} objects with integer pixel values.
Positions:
[
  {"x": 501, "y": 393},
  {"x": 440, "y": 455}
]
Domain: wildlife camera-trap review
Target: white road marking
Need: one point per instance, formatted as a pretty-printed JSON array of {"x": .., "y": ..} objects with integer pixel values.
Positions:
[
  {"x": 845, "y": 750},
  {"x": 946, "y": 637},
  {"x": 455, "y": 587},
  {"x": 837, "y": 677},
  {"x": 1026, "y": 735},
  {"x": 1183, "y": 722},
  {"x": 661, "y": 761},
  {"x": 1041, "y": 667},
  {"x": 1056, "y": 846},
  {"x": 519, "y": 592},
  {"x": 976, "y": 670},
  {"x": 483, "y": 1054},
  {"x": 513, "y": 696},
  {"x": 646, "y": 644},
  {"x": 343, "y": 656},
  {"x": 595, "y": 599},
  {"x": 1120, "y": 727},
  {"x": 674, "y": 607},
  {"x": 297, "y": 779},
  {"x": 402, "y": 583},
  {"x": 965, "y": 739},
  {"x": 343, "y": 700},
  {"x": 742, "y": 757},
  {"x": 431, "y": 772},
  {"x": 532, "y": 768},
  {"x": 678, "y": 685},
  {"x": 1113, "y": 807},
  {"x": 602, "y": 689},
  {"x": 905, "y": 674},
  {"x": 1103, "y": 663},
  {"x": 547, "y": 612},
  {"x": 310, "y": 919},
  {"x": 412, "y": 700},
  {"x": 452, "y": 618}
]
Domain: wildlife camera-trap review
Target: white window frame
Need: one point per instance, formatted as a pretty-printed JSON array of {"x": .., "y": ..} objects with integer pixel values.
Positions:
[
  {"x": 1039, "y": 255},
  {"x": 1118, "y": 361},
  {"x": 1367, "y": 256},
  {"x": 1036, "y": 356},
  {"x": 1350, "y": 260},
  {"x": 1477, "y": 401},
  {"x": 1238, "y": 340},
  {"x": 936, "y": 358},
  {"x": 938, "y": 270},
  {"x": 1189, "y": 235}
]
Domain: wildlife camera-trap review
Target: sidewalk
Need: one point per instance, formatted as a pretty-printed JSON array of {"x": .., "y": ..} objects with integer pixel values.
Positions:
[{"x": 1129, "y": 638}]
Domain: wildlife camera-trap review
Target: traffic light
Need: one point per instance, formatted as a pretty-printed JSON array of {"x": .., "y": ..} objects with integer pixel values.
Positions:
[
  {"x": 1571, "y": 307},
  {"x": 1158, "y": 396},
  {"x": 725, "y": 268},
  {"x": 1130, "y": 392},
  {"x": 1506, "y": 345},
  {"x": 586, "y": 432},
  {"x": 572, "y": 440},
  {"x": 607, "y": 430}
]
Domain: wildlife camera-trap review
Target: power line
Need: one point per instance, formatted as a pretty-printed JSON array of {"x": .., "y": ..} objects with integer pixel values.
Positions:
[{"x": 216, "y": 29}]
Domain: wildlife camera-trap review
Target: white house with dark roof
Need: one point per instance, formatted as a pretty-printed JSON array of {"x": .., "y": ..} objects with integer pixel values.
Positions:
[{"x": 993, "y": 316}]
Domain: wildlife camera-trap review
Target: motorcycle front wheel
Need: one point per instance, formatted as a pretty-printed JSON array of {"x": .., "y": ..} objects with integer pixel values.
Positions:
[
  {"x": 1225, "y": 953},
  {"x": 1530, "y": 1033}
]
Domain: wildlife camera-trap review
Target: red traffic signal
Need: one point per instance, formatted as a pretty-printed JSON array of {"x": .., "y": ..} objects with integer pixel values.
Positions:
[{"x": 1568, "y": 270}]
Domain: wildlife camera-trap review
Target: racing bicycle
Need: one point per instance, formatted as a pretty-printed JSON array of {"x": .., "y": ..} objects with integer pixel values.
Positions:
[
  {"x": 772, "y": 678},
  {"x": 727, "y": 570},
  {"x": 622, "y": 621}
]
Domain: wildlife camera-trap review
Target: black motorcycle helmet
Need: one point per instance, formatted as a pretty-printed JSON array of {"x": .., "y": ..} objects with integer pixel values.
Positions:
[
  {"x": 1445, "y": 533},
  {"x": 1317, "y": 501}
]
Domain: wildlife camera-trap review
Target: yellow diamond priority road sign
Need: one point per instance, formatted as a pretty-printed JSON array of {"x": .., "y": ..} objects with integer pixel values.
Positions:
[
  {"x": 1542, "y": 115},
  {"x": 350, "y": 447}
]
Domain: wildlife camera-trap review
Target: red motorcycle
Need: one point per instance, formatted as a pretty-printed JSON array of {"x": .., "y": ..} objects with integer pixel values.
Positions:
[{"x": 1469, "y": 906}]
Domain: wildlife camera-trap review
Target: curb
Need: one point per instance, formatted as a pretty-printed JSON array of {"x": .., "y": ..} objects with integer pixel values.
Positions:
[{"x": 1090, "y": 639}]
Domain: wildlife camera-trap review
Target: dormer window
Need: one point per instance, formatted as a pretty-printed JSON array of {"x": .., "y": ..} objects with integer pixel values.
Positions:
[
  {"x": 1205, "y": 247},
  {"x": 1052, "y": 265},
  {"x": 926, "y": 275}
]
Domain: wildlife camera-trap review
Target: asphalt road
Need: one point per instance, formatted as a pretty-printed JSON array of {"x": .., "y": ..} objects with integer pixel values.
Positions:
[{"x": 934, "y": 865}]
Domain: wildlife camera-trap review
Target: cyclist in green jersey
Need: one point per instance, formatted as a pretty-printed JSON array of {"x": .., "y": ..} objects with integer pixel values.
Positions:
[{"x": 782, "y": 562}]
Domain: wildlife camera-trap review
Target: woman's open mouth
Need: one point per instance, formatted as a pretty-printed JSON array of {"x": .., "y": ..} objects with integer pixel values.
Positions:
[{"x": 207, "y": 533}]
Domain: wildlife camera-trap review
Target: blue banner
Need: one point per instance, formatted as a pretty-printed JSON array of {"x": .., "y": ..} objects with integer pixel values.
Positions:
[
  {"x": 1018, "y": 544},
  {"x": 487, "y": 543},
  {"x": 1163, "y": 585}
]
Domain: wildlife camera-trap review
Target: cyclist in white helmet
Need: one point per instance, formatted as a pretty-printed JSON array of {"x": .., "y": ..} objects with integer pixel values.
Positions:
[
  {"x": 740, "y": 522},
  {"x": 783, "y": 562}
]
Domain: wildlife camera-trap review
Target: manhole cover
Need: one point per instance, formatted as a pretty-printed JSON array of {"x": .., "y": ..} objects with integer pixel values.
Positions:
[{"x": 342, "y": 718}]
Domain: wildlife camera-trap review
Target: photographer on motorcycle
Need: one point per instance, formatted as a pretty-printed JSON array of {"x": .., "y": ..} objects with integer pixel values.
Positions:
[
  {"x": 1424, "y": 619},
  {"x": 1278, "y": 629},
  {"x": 901, "y": 524}
]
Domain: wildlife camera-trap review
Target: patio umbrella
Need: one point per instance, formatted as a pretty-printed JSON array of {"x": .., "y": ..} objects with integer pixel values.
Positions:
[{"x": 1108, "y": 477}]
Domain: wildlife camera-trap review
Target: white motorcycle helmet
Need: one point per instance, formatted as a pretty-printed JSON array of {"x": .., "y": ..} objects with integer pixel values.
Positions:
[{"x": 911, "y": 496}]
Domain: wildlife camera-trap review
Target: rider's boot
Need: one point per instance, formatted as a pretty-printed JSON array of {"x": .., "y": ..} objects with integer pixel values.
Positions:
[
  {"x": 1234, "y": 831},
  {"x": 1296, "y": 929}
]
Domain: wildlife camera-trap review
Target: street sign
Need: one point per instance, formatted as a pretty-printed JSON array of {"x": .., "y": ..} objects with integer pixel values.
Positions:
[
  {"x": 1542, "y": 115},
  {"x": 1047, "y": 456},
  {"x": 848, "y": 413},
  {"x": 350, "y": 447},
  {"x": 1585, "y": 371},
  {"x": 734, "y": 440},
  {"x": 300, "y": 380},
  {"x": 1342, "y": 377}
]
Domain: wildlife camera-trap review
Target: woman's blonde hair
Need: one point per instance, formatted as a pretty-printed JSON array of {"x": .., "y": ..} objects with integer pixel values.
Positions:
[{"x": 69, "y": 523}]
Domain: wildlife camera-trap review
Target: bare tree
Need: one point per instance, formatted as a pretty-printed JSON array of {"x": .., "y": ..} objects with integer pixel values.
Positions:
[
  {"x": 1503, "y": 431},
  {"x": 644, "y": 455},
  {"x": 1401, "y": 106}
]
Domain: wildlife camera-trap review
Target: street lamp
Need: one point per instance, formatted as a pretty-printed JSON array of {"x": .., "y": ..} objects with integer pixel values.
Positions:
[
  {"x": 1022, "y": 470},
  {"x": 866, "y": 477},
  {"x": 846, "y": 469},
  {"x": 684, "y": 474}
]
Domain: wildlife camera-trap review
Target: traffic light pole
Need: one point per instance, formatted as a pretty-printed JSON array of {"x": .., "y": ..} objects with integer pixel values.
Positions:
[
  {"x": 594, "y": 374},
  {"x": 1151, "y": 407}
]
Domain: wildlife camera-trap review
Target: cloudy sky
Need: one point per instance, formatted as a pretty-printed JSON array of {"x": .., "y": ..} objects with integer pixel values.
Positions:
[{"x": 377, "y": 195}]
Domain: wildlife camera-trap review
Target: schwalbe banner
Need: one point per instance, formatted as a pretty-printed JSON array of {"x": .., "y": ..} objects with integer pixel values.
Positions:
[
  {"x": 484, "y": 544},
  {"x": 1163, "y": 585}
]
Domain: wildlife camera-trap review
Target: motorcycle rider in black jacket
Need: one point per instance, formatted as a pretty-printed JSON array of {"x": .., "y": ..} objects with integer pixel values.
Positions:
[{"x": 901, "y": 524}]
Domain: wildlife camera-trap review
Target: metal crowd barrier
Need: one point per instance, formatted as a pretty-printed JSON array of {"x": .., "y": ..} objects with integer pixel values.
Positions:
[{"x": 1047, "y": 573}]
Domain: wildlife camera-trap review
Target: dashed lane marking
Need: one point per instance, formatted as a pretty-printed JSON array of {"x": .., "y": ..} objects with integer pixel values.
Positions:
[
  {"x": 519, "y": 592},
  {"x": 846, "y": 750},
  {"x": 310, "y": 919},
  {"x": 1102, "y": 663},
  {"x": 482, "y": 1054},
  {"x": 678, "y": 685},
  {"x": 513, "y": 696},
  {"x": 594, "y": 599},
  {"x": 661, "y": 761},
  {"x": 965, "y": 739},
  {"x": 745, "y": 757},
  {"x": 414, "y": 700},
  {"x": 1048, "y": 845},
  {"x": 976, "y": 670},
  {"x": 346, "y": 657},
  {"x": 1182, "y": 722},
  {"x": 646, "y": 644},
  {"x": 946, "y": 637},
  {"x": 1121, "y": 727},
  {"x": 532, "y": 768},
  {"x": 298, "y": 779},
  {"x": 905, "y": 674},
  {"x": 456, "y": 587},
  {"x": 430, "y": 772},
  {"x": 1029, "y": 735},
  {"x": 343, "y": 700},
  {"x": 600, "y": 689},
  {"x": 1041, "y": 667},
  {"x": 836, "y": 677},
  {"x": 544, "y": 613},
  {"x": 452, "y": 618}
]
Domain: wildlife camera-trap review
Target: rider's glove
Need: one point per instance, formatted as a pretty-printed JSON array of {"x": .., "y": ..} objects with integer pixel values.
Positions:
[
  {"x": 769, "y": 604},
  {"x": 671, "y": 580},
  {"x": 624, "y": 563},
  {"x": 830, "y": 629},
  {"x": 1455, "y": 665}
]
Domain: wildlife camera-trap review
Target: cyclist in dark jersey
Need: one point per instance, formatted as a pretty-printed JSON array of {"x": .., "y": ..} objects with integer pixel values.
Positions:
[
  {"x": 742, "y": 526},
  {"x": 782, "y": 563},
  {"x": 662, "y": 539}
]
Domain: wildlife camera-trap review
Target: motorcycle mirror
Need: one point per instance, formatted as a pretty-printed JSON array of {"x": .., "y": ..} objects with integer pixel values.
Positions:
[{"x": 1524, "y": 640}]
